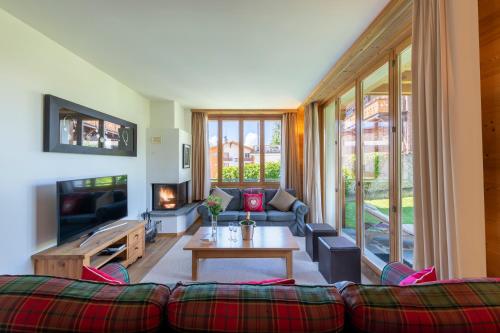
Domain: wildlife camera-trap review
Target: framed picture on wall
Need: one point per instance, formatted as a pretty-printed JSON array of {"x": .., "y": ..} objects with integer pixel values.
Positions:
[
  {"x": 73, "y": 128},
  {"x": 186, "y": 156}
]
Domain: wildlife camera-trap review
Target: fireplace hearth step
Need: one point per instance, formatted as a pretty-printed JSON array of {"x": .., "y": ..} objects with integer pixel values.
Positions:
[{"x": 184, "y": 210}]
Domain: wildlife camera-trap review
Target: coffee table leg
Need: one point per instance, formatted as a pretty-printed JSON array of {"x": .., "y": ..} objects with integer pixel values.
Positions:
[
  {"x": 194, "y": 266},
  {"x": 289, "y": 265}
]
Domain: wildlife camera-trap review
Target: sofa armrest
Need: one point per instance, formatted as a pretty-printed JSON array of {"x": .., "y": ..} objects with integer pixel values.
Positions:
[
  {"x": 300, "y": 208},
  {"x": 204, "y": 212},
  {"x": 395, "y": 272}
]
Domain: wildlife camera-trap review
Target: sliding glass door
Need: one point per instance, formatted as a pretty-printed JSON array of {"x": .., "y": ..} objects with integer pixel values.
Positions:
[
  {"x": 375, "y": 165},
  {"x": 407, "y": 234},
  {"x": 347, "y": 138},
  {"x": 375, "y": 161}
]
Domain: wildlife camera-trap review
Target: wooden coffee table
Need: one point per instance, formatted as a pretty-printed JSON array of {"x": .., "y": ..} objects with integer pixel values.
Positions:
[{"x": 268, "y": 242}]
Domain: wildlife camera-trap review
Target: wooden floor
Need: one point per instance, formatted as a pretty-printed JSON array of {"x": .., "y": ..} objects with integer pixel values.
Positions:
[{"x": 155, "y": 251}]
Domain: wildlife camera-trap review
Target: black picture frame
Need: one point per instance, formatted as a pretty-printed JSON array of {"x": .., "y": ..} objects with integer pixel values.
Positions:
[
  {"x": 125, "y": 142},
  {"x": 186, "y": 156}
]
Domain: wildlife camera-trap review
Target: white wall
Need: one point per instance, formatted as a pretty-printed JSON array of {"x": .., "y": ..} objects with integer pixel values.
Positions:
[
  {"x": 32, "y": 65},
  {"x": 170, "y": 114}
]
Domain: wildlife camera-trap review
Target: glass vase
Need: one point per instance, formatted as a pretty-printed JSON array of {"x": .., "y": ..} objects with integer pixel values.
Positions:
[{"x": 214, "y": 228}]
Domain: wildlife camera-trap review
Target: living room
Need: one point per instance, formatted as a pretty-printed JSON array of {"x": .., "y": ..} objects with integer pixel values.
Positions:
[{"x": 250, "y": 166}]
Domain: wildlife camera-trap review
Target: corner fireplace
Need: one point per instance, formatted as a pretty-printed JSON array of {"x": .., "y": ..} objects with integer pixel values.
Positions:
[{"x": 169, "y": 196}]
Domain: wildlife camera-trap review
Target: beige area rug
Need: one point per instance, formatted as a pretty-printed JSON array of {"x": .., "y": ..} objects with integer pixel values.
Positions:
[{"x": 175, "y": 266}]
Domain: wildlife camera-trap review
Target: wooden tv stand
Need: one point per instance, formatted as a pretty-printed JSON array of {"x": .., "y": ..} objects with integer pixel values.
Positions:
[{"x": 67, "y": 260}]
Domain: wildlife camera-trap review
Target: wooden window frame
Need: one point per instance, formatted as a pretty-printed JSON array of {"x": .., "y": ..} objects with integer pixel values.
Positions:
[{"x": 241, "y": 119}]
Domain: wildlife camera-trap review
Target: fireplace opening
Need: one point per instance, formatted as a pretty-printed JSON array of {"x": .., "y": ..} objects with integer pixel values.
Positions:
[{"x": 169, "y": 196}]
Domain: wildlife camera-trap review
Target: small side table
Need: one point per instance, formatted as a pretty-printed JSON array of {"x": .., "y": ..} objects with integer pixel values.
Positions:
[
  {"x": 313, "y": 231},
  {"x": 339, "y": 260}
]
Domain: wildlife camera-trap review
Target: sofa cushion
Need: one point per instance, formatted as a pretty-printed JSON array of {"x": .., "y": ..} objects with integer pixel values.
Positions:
[
  {"x": 229, "y": 215},
  {"x": 269, "y": 195},
  {"x": 253, "y": 202},
  {"x": 282, "y": 201},
  {"x": 96, "y": 275},
  {"x": 278, "y": 216},
  {"x": 224, "y": 197},
  {"x": 47, "y": 304},
  {"x": 212, "y": 307},
  {"x": 236, "y": 201},
  {"x": 423, "y": 276},
  {"x": 458, "y": 306},
  {"x": 256, "y": 216}
]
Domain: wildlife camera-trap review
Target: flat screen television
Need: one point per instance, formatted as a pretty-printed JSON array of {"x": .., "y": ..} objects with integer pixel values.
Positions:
[{"x": 86, "y": 205}]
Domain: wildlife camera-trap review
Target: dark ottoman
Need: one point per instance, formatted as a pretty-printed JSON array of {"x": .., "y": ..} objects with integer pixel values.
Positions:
[
  {"x": 339, "y": 259},
  {"x": 313, "y": 231}
]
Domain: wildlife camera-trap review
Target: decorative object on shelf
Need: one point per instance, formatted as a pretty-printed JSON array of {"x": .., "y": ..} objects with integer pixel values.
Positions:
[
  {"x": 247, "y": 228},
  {"x": 213, "y": 204},
  {"x": 186, "y": 156},
  {"x": 74, "y": 128}
]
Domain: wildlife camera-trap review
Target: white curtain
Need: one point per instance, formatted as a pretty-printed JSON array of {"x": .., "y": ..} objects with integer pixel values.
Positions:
[
  {"x": 435, "y": 198},
  {"x": 312, "y": 175}
]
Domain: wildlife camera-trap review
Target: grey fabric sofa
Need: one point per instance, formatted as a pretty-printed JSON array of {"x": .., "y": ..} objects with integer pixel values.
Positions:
[{"x": 294, "y": 219}]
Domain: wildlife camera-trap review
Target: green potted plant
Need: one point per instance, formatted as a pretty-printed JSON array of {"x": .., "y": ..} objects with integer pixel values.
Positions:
[
  {"x": 213, "y": 204},
  {"x": 247, "y": 227}
]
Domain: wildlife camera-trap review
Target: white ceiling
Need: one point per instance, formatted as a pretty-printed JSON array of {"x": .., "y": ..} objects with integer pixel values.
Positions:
[{"x": 206, "y": 53}]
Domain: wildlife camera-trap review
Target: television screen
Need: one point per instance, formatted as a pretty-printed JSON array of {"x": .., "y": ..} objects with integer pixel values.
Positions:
[{"x": 85, "y": 205}]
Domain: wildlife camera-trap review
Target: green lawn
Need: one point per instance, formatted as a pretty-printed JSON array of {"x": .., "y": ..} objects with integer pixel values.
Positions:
[{"x": 383, "y": 206}]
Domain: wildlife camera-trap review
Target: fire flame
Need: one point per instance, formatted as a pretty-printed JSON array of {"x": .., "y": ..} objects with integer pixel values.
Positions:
[{"x": 167, "y": 198}]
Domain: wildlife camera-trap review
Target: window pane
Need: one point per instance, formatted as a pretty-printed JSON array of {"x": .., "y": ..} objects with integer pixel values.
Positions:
[
  {"x": 375, "y": 168},
  {"x": 272, "y": 158},
  {"x": 213, "y": 141},
  {"x": 251, "y": 151},
  {"x": 230, "y": 150},
  {"x": 406, "y": 189},
  {"x": 347, "y": 118}
]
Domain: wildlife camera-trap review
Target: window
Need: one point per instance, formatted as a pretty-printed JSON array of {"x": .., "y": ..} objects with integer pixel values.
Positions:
[
  {"x": 406, "y": 216},
  {"x": 375, "y": 165},
  {"x": 251, "y": 151},
  {"x": 375, "y": 161},
  {"x": 213, "y": 144},
  {"x": 272, "y": 152},
  {"x": 347, "y": 123},
  {"x": 245, "y": 150},
  {"x": 231, "y": 151}
]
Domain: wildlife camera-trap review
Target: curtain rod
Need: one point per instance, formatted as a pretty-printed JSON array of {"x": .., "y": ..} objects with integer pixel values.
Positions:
[{"x": 244, "y": 111}]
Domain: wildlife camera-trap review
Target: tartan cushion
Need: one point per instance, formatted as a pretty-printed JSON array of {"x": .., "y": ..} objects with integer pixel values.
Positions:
[
  {"x": 213, "y": 307},
  {"x": 457, "y": 306},
  {"x": 117, "y": 271},
  {"x": 48, "y": 304},
  {"x": 395, "y": 272}
]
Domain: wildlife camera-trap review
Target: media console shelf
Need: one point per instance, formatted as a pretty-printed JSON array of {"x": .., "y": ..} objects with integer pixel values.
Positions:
[{"x": 68, "y": 259}]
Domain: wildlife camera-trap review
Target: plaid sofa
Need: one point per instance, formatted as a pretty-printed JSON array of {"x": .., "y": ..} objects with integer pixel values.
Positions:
[
  {"x": 449, "y": 307},
  {"x": 47, "y": 304},
  {"x": 216, "y": 307}
]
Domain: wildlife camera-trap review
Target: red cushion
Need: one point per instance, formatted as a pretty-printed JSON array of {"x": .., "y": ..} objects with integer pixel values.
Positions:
[
  {"x": 253, "y": 202},
  {"x": 270, "y": 282},
  {"x": 93, "y": 274},
  {"x": 425, "y": 275}
]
